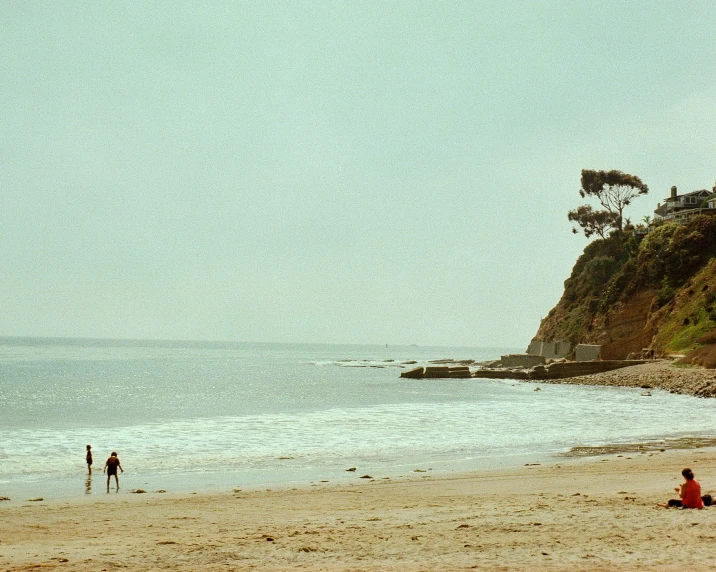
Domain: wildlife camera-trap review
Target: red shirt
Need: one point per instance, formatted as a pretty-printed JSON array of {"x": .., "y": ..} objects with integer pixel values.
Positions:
[{"x": 691, "y": 496}]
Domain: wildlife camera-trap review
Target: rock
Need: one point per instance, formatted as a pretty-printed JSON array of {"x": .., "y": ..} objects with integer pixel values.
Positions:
[
  {"x": 500, "y": 374},
  {"x": 436, "y": 372},
  {"x": 538, "y": 372},
  {"x": 522, "y": 360},
  {"x": 416, "y": 373},
  {"x": 459, "y": 372},
  {"x": 489, "y": 363},
  {"x": 439, "y": 372}
]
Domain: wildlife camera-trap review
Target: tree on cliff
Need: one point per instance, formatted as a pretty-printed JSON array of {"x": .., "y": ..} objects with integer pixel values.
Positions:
[
  {"x": 591, "y": 221},
  {"x": 614, "y": 190}
]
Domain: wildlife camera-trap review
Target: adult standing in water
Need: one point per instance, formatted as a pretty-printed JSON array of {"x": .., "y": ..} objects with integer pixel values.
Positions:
[{"x": 110, "y": 467}]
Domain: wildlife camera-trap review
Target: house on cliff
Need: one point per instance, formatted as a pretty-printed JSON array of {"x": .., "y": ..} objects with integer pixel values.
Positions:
[{"x": 682, "y": 208}]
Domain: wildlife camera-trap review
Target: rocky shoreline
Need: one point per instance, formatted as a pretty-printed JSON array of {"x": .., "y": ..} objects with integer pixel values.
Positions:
[
  {"x": 658, "y": 374},
  {"x": 653, "y": 374}
]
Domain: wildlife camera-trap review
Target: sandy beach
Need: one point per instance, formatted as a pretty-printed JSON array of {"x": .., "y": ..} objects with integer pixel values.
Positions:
[
  {"x": 600, "y": 514},
  {"x": 581, "y": 512}
]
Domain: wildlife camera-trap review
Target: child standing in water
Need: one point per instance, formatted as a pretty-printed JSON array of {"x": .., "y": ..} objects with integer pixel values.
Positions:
[{"x": 89, "y": 458}]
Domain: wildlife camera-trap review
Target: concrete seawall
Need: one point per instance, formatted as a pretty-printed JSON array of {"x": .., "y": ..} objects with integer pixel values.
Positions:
[
  {"x": 578, "y": 368},
  {"x": 550, "y": 371}
]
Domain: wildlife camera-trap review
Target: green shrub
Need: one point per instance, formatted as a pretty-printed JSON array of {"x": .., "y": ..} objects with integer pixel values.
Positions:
[
  {"x": 665, "y": 295},
  {"x": 598, "y": 270}
]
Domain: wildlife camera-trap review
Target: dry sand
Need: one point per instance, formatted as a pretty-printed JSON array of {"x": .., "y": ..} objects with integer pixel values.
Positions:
[{"x": 596, "y": 515}]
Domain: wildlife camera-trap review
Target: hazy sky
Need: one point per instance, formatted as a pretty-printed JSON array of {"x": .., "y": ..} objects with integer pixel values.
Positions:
[{"x": 369, "y": 172}]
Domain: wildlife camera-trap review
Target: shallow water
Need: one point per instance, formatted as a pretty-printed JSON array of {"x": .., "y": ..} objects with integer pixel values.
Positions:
[{"x": 199, "y": 415}]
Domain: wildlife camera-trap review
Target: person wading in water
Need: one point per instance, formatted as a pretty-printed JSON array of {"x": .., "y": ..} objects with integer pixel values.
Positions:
[
  {"x": 110, "y": 467},
  {"x": 89, "y": 458}
]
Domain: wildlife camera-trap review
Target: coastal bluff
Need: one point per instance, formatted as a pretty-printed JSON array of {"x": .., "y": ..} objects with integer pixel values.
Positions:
[{"x": 643, "y": 293}]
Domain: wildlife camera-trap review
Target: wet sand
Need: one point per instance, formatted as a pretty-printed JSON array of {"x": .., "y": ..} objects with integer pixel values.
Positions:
[{"x": 597, "y": 514}]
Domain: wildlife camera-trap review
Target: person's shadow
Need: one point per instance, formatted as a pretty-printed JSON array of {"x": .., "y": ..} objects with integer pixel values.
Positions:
[{"x": 88, "y": 485}]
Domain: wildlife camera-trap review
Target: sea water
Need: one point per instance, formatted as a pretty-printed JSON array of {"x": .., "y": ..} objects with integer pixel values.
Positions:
[{"x": 200, "y": 415}]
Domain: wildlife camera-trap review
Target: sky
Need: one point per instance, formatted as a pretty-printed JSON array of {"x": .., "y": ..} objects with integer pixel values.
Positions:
[{"x": 330, "y": 172}]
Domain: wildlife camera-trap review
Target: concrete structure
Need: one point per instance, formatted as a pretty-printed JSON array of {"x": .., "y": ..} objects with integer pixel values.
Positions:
[
  {"x": 521, "y": 360},
  {"x": 576, "y": 369},
  {"x": 438, "y": 372},
  {"x": 558, "y": 370},
  {"x": 523, "y": 374},
  {"x": 415, "y": 373},
  {"x": 550, "y": 350},
  {"x": 585, "y": 352},
  {"x": 443, "y": 371}
]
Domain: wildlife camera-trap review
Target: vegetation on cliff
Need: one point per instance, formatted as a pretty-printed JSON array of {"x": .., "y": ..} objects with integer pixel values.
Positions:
[
  {"x": 629, "y": 291},
  {"x": 614, "y": 191}
]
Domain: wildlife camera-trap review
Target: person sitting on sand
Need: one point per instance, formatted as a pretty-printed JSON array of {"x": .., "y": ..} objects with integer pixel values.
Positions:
[
  {"x": 89, "y": 458},
  {"x": 689, "y": 491},
  {"x": 111, "y": 468}
]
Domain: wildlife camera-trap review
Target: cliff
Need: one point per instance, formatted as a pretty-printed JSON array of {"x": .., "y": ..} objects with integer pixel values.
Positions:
[{"x": 629, "y": 292}]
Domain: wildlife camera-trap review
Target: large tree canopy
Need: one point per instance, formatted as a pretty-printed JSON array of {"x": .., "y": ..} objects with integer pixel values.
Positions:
[
  {"x": 613, "y": 189},
  {"x": 591, "y": 221}
]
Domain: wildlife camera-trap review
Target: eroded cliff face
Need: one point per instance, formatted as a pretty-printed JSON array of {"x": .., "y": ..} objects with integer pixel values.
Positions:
[
  {"x": 626, "y": 328},
  {"x": 628, "y": 294}
]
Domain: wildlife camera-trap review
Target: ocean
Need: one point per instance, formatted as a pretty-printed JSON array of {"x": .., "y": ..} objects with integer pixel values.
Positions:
[{"x": 190, "y": 416}]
